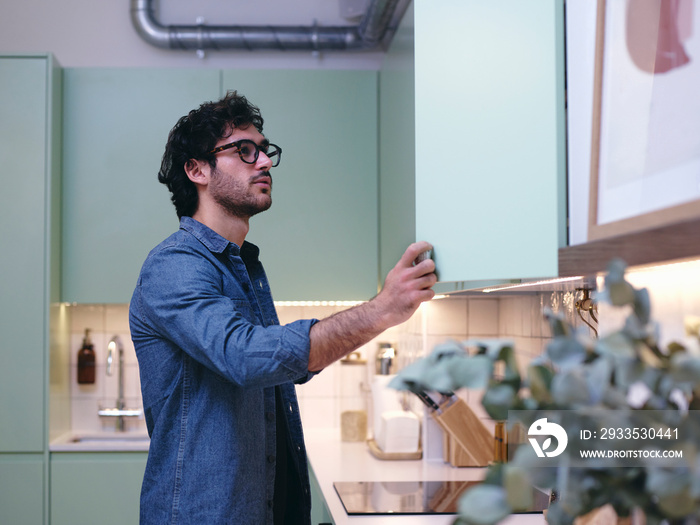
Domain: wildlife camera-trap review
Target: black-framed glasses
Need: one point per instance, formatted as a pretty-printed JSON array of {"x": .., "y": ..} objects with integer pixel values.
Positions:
[{"x": 249, "y": 151}]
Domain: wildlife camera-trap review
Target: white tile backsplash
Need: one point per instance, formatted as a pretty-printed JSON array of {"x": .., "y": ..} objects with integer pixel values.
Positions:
[
  {"x": 447, "y": 317},
  {"x": 104, "y": 322},
  {"x": 483, "y": 318},
  {"x": 320, "y": 399}
]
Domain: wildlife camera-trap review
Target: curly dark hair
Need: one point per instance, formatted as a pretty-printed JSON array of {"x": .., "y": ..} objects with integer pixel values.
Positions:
[{"x": 194, "y": 136}]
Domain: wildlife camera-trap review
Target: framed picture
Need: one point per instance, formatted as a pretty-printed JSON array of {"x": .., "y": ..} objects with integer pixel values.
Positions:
[{"x": 645, "y": 165}]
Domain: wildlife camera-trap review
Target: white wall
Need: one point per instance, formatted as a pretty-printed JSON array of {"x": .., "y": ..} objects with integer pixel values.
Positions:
[
  {"x": 98, "y": 33},
  {"x": 580, "y": 68}
]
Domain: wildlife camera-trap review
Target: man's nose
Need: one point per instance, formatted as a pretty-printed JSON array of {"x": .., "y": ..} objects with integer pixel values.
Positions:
[{"x": 264, "y": 162}]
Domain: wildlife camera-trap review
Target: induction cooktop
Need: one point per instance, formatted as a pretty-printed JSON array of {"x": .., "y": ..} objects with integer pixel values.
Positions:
[{"x": 412, "y": 497}]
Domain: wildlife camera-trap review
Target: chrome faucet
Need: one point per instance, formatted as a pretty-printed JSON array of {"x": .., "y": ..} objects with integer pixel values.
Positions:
[
  {"x": 116, "y": 344},
  {"x": 120, "y": 411}
]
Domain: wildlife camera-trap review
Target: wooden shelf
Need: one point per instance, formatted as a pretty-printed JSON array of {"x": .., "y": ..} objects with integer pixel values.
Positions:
[{"x": 667, "y": 243}]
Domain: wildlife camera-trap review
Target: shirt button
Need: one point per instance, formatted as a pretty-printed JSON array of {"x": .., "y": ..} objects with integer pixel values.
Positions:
[
  {"x": 269, "y": 416},
  {"x": 269, "y": 503},
  {"x": 271, "y": 458}
]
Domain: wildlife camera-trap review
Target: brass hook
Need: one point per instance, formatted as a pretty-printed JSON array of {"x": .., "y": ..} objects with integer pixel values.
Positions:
[{"x": 588, "y": 304}]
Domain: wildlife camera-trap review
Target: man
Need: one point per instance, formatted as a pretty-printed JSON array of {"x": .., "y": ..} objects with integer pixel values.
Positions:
[{"x": 217, "y": 369}]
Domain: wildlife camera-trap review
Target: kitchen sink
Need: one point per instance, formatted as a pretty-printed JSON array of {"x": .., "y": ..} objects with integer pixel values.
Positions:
[
  {"x": 102, "y": 442},
  {"x": 123, "y": 438}
]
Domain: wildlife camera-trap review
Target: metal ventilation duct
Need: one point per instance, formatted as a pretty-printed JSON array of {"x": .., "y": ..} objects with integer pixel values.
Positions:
[{"x": 374, "y": 31}]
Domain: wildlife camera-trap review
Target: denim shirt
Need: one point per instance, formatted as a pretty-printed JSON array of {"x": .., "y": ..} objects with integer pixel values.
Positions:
[{"x": 210, "y": 352}]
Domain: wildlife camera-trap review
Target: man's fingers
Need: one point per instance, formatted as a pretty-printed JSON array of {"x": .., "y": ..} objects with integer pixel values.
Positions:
[{"x": 413, "y": 251}]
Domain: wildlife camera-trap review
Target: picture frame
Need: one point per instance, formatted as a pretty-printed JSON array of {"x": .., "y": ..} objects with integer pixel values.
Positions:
[{"x": 645, "y": 150}]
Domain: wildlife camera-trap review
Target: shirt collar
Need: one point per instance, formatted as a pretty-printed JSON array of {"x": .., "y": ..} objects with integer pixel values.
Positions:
[{"x": 215, "y": 242}]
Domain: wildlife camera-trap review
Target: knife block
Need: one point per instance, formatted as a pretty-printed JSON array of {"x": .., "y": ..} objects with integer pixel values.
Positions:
[{"x": 466, "y": 441}]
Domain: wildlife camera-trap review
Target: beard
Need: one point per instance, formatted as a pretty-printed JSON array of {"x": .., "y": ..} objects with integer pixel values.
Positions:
[{"x": 237, "y": 197}]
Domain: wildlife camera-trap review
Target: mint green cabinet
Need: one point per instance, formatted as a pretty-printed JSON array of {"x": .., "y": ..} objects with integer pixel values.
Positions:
[
  {"x": 28, "y": 229},
  {"x": 116, "y": 124},
  {"x": 90, "y": 487},
  {"x": 397, "y": 164},
  {"x": 489, "y": 187},
  {"x": 319, "y": 239},
  {"x": 319, "y": 510},
  {"x": 22, "y": 494}
]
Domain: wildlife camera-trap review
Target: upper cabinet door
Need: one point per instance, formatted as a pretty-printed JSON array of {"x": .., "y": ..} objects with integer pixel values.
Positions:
[
  {"x": 116, "y": 124},
  {"x": 490, "y": 136},
  {"x": 26, "y": 206},
  {"x": 318, "y": 241}
]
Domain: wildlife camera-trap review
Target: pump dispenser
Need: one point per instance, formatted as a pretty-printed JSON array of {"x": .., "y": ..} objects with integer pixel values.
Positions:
[{"x": 86, "y": 361}]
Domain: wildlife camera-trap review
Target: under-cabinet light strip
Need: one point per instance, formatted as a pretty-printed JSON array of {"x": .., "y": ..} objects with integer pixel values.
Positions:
[
  {"x": 536, "y": 283},
  {"x": 317, "y": 303}
]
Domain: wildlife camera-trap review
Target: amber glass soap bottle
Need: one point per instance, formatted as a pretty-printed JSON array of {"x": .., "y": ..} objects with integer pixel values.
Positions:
[{"x": 86, "y": 361}]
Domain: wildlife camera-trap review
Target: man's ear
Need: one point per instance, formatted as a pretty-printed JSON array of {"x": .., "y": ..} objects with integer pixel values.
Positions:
[{"x": 197, "y": 171}]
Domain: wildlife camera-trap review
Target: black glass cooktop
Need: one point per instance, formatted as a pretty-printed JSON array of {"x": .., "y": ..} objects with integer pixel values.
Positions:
[{"x": 411, "y": 497}]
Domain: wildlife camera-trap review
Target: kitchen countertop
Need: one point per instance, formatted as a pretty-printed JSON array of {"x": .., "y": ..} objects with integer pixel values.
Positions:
[{"x": 333, "y": 460}]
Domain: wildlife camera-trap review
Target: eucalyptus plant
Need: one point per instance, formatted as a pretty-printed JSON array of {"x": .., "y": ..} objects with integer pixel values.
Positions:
[{"x": 623, "y": 380}]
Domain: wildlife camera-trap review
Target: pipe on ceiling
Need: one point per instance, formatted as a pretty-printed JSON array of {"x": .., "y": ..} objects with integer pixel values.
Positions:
[{"x": 375, "y": 30}]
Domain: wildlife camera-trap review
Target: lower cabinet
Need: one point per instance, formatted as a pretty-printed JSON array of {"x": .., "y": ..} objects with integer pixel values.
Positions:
[
  {"x": 22, "y": 494},
  {"x": 320, "y": 515},
  {"x": 89, "y": 488}
]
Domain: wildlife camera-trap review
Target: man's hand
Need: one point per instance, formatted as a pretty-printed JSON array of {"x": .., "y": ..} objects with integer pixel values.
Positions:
[{"x": 406, "y": 286}]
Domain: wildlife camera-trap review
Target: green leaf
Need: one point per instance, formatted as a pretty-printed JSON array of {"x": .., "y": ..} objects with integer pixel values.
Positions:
[
  {"x": 695, "y": 480},
  {"x": 438, "y": 377},
  {"x": 489, "y": 347},
  {"x": 556, "y": 515},
  {"x": 642, "y": 305},
  {"x": 674, "y": 347},
  {"x": 448, "y": 348},
  {"x": 649, "y": 357},
  {"x": 685, "y": 368},
  {"x": 597, "y": 375},
  {"x": 511, "y": 373},
  {"x": 566, "y": 352},
  {"x": 571, "y": 387},
  {"x": 557, "y": 323},
  {"x": 668, "y": 483},
  {"x": 473, "y": 372},
  {"x": 616, "y": 344},
  {"x": 494, "y": 474},
  {"x": 525, "y": 458},
  {"x": 498, "y": 400},
  {"x": 619, "y": 292},
  {"x": 628, "y": 372},
  {"x": 484, "y": 505},
  {"x": 411, "y": 376},
  {"x": 677, "y": 505},
  {"x": 638, "y": 331},
  {"x": 516, "y": 483},
  {"x": 540, "y": 383}
]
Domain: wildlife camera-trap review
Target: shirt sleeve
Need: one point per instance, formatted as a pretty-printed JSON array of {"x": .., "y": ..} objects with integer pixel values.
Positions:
[{"x": 180, "y": 301}]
